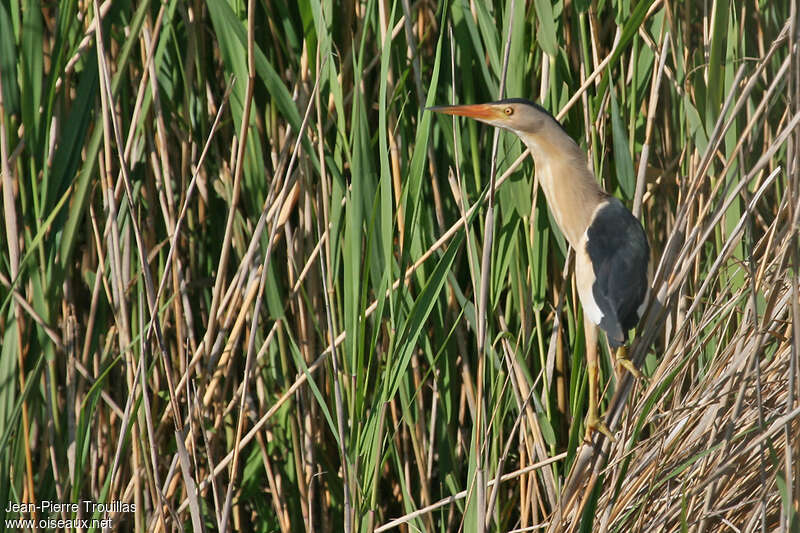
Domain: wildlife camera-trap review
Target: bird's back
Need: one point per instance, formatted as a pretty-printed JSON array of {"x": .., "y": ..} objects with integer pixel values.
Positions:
[{"x": 618, "y": 251}]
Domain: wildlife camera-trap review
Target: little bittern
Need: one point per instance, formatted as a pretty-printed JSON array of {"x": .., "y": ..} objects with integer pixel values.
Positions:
[{"x": 611, "y": 250}]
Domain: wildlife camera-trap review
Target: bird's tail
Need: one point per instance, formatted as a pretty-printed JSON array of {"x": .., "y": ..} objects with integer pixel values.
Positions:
[{"x": 613, "y": 329}]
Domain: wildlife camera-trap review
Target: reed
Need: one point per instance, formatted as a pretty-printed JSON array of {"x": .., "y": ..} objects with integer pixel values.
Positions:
[{"x": 244, "y": 274}]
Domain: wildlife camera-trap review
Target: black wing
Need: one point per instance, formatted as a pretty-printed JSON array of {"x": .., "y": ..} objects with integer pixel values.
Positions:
[{"x": 618, "y": 250}]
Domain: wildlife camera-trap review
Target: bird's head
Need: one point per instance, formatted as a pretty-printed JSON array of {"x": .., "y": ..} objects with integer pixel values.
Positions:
[{"x": 518, "y": 115}]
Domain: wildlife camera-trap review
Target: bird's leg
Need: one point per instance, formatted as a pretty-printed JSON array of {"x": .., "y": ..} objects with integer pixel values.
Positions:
[
  {"x": 622, "y": 359},
  {"x": 593, "y": 420}
]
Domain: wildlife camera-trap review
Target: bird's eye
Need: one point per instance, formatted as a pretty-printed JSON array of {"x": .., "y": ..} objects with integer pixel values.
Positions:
[{"x": 508, "y": 111}]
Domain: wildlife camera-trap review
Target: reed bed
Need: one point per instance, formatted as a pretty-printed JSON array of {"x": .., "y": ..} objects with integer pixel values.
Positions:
[{"x": 248, "y": 283}]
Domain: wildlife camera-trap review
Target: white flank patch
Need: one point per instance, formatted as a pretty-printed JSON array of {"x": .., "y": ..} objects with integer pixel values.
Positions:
[
  {"x": 643, "y": 305},
  {"x": 584, "y": 279},
  {"x": 590, "y": 308}
]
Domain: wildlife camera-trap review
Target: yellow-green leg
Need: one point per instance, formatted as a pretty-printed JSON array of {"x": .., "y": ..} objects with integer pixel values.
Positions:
[
  {"x": 593, "y": 420},
  {"x": 622, "y": 359}
]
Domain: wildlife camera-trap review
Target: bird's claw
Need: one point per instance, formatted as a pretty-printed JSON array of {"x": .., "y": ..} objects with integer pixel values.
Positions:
[
  {"x": 596, "y": 423},
  {"x": 628, "y": 365},
  {"x": 621, "y": 359}
]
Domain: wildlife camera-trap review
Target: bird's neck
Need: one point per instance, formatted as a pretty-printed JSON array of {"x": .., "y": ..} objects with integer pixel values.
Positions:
[{"x": 571, "y": 190}]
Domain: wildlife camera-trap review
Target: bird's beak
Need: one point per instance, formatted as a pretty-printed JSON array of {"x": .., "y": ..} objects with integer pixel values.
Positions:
[{"x": 483, "y": 112}]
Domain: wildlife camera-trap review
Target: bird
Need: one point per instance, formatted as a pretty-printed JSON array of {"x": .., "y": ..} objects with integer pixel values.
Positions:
[{"x": 611, "y": 248}]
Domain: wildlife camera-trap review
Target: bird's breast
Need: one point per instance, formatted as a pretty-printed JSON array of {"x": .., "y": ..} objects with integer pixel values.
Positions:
[{"x": 572, "y": 196}]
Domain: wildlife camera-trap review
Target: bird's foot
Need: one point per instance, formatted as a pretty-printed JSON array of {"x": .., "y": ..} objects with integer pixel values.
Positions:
[
  {"x": 596, "y": 423},
  {"x": 621, "y": 359},
  {"x": 628, "y": 365}
]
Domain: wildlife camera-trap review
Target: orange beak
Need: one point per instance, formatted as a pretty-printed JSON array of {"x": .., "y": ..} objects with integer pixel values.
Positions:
[{"x": 476, "y": 111}]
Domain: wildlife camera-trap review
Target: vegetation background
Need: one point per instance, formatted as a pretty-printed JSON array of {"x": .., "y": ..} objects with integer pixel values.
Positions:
[{"x": 241, "y": 265}]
